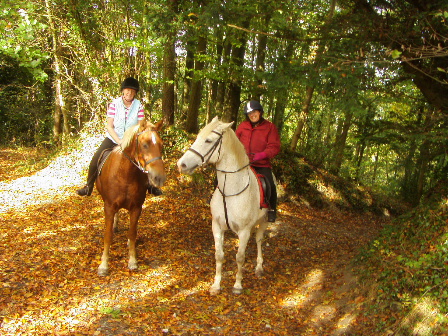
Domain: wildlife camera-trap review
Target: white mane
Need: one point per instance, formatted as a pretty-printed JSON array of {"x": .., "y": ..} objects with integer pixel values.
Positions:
[{"x": 230, "y": 141}]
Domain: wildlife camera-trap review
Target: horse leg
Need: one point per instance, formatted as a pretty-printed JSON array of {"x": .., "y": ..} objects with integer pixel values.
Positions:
[
  {"x": 218, "y": 234},
  {"x": 108, "y": 234},
  {"x": 132, "y": 236},
  {"x": 243, "y": 238},
  {"x": 259, "y": 238},
  {"x": 116, "y": 223}
]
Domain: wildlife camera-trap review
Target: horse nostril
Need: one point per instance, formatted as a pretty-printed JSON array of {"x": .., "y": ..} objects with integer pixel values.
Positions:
[{"x": 183, "y": 165}]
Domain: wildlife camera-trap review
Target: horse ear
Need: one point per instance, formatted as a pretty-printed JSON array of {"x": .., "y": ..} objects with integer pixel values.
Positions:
[
  {"x": 158, "y": 125},
  {"x": 214, "y": 119},
  {"x": 228, "y": 125},
  {"x": 142, "y": 125}
]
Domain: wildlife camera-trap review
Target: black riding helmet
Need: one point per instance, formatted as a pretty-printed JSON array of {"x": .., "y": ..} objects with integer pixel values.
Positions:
[
  {"x": 129, "y": 83},
  {"x": 251, "y": 106}
]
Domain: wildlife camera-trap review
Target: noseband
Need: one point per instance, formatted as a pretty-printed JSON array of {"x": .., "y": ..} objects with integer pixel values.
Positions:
[
  {"x": 212, "y": 150},
  {"x": 138, "y": 165}
]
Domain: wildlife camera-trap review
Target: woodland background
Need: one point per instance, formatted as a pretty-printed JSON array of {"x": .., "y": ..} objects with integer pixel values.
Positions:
[{"x": 357, "y": 89}]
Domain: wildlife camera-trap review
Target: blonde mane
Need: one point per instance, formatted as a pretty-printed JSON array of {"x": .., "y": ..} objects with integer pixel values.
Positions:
[
  {"x": 128, "y": 137},
  {"x": 232, "y": 143}
]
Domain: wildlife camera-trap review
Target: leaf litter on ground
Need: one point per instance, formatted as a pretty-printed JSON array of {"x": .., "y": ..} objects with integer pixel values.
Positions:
[{"x": 52, "y": 242}]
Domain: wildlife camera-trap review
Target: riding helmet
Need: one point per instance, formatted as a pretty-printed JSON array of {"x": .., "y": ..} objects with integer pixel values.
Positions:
[
  {"x": 251, "y": 106},
  {"x": 129, "y": 83}
]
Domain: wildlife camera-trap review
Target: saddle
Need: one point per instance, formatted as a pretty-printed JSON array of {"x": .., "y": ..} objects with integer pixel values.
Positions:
[
  {"x": 265, "y": 189},
  {"x": 103, "y": 157}
]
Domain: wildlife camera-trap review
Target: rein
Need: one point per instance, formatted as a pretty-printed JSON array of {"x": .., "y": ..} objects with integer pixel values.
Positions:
[
  {"x": 138, "y": 165},
  {"x": 203, "y": 159}
]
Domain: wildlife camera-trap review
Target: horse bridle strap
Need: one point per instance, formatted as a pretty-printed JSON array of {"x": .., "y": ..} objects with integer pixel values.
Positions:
[
  {"x": 212, "y": 150},
  {"x": 138, "y": 165},
  {"x": 231, "y": 172}
]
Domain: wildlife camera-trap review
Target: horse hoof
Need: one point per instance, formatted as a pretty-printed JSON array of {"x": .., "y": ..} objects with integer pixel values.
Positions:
[
  {"x": 259, "y": 274},
  {"x": 214, "y": 291},
  {"x": 102, "y": 271},
  {"x": 133, "y": 267},
  {"x": 237, "y": 291}
]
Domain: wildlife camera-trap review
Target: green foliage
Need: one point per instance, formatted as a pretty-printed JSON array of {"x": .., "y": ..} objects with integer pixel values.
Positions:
[
  {"x": 23, "y": 121},
  {"x": 409, "y": 258},
  {"x": 18, "y": 32},
  {"x": 111, "y": 311},
  {"x": 320, "y": 189}
]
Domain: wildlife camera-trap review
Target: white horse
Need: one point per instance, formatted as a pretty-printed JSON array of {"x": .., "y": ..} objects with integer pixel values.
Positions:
[{"x": 235, "y": 204}]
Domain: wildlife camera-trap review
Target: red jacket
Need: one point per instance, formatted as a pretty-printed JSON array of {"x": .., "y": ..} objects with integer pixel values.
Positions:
[{"x": 262, "y": 138}]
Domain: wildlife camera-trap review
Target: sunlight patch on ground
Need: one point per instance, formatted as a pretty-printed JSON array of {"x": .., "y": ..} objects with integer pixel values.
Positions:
[
  {"x": 55, "y": 180},
  {"x": 58, "y": 318},
  {"x": 422, "y": 319},
  {"x": 344, "y": 324},
  {"x": 308, "y": 294},
  {"x": 305, "y": 293}
]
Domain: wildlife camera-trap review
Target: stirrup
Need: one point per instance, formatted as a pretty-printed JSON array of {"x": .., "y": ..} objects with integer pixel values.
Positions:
[{"x": 85, "y": 191}]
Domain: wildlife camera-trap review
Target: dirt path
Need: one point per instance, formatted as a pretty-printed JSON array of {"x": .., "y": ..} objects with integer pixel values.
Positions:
[{"x": 50, "y": 253}]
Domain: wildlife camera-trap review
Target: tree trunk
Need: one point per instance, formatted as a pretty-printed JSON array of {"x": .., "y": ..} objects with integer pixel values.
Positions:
[
  {"x": 233, "y": 94},
  {"x": 169, "y": 66},
  {"x": 220, "y": 95},
  {"x": 59, "y": 108},
  {"x": 259, "y": 88},
  {"x": 214, "y": 84},
  {"x": 340, "y": 144},
  {"x": 148, "y": 73},
  {"x": 189, "y": 71},
  {"x": 302, "y": 117},
  {"x": 310, "y": 89},
  {"x": 191, "y": 124},
  {"x": 375, "y": 166},
  {"x": 169, "y": 70}
]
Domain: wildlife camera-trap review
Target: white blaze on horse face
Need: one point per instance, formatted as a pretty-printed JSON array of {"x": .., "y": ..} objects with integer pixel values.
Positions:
[{"x": 154, "y": 141}]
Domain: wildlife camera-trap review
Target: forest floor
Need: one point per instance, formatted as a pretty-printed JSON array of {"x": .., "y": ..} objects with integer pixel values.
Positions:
[{"x": 52, "y": 240}]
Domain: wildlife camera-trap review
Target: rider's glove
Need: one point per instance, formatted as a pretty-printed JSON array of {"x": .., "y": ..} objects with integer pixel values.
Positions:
[{"x": 259, "y": 156}]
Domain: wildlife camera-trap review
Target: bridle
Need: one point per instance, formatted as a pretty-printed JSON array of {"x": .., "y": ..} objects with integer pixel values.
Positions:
[
  {"x": 211, "y": 151},
  {"x": 138, "y": 165}
]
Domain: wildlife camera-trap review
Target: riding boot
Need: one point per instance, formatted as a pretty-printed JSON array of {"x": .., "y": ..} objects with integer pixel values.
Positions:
[
  {"x": 154, "y": 190},
  {"x": 272, "y": 214},
  {"x": 85, "y": 191}
]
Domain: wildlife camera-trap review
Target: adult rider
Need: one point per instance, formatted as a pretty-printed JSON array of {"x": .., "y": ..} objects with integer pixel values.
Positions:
[
  {"x": 123, "y": 112},
  {"x": 261, "y": 142}
]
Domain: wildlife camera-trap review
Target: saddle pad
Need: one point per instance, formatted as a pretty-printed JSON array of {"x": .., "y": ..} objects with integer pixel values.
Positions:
[
  {"x": 103, "y": 157},
  {"x": 264, "y": 187}
]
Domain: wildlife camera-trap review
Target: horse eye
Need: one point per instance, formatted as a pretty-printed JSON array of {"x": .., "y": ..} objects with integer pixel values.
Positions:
[
  {"x": 208, "y": 141},
  {"x": 145, "y": 146}
]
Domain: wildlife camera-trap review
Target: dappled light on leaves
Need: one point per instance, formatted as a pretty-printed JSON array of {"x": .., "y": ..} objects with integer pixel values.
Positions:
[{"x": 52, "y": 242}]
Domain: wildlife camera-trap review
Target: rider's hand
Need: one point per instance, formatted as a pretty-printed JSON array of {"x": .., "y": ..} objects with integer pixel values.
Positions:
[{"x": 259, "y": 156}]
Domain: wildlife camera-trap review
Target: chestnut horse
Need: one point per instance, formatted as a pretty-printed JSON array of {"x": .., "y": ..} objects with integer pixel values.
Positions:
[{"x": 124, "y": 180}]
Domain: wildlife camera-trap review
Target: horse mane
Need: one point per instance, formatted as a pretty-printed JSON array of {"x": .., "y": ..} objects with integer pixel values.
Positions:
[
  {"x": 129, "y": 136},
  {"x": 230, "y": 139},
  {"x": 208, "y": 128},
  {"x": 234, "y": 144}
]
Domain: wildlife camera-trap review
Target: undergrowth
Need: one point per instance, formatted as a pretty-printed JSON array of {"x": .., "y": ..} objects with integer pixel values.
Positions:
[
  {"x": 320, "y": 189},
  {"x": 409, "y": 262}
]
